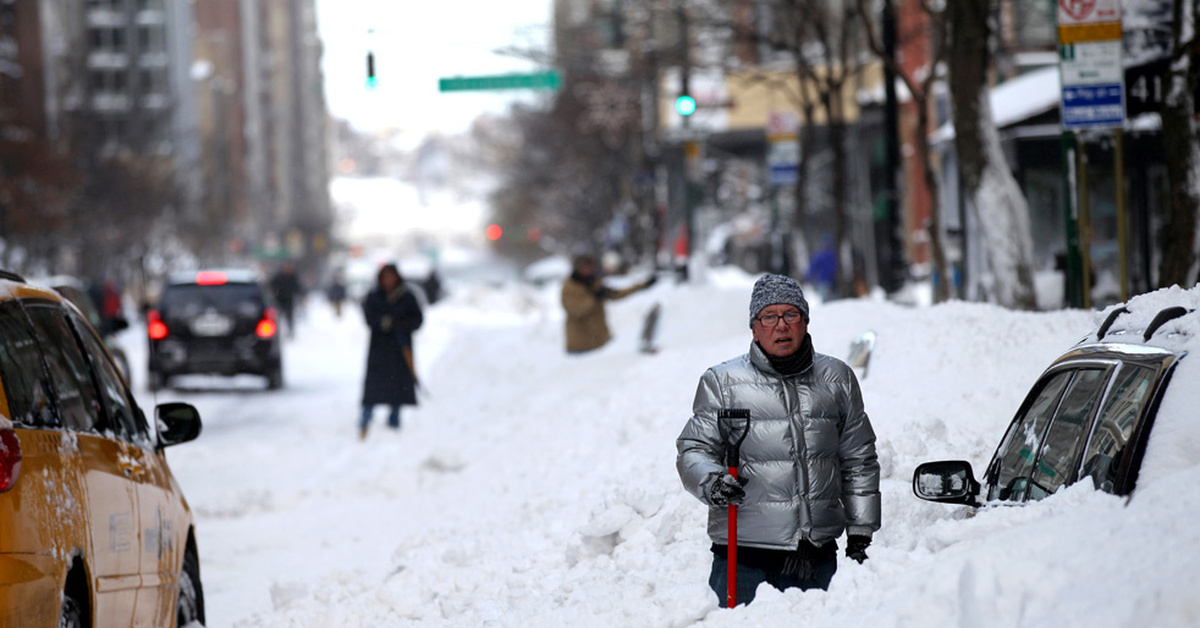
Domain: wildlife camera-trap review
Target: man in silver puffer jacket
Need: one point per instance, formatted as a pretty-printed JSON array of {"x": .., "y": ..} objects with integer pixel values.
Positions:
[{"x": 808, "y": 469}]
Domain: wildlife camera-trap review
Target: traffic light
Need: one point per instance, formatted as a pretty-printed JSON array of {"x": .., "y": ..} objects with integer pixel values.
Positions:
[
  {"x": 372, "y": 81},
  {"x": 685, "y": 105}
]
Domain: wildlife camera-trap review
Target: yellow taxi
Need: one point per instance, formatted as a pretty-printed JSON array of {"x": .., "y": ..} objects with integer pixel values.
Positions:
[{"x": 94, "y": 529}]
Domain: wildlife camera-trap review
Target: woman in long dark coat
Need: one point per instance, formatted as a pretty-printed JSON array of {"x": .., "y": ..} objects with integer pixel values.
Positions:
[{"x": 393, "y": 314}]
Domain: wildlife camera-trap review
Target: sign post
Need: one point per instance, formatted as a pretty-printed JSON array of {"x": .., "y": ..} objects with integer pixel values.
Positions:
[
  {"x": 1093, "y": 97},
  {"x": 783, "y": 170}
]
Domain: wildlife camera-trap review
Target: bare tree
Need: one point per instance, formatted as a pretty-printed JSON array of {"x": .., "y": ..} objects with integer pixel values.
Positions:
[
  {"x": 990, "y": 187},
  {"x": 1181, "y": 142},
  {"x": 121, "y": 201},
  {"x": 36, "y": 184},
  {"x": 920, "y": 83}
]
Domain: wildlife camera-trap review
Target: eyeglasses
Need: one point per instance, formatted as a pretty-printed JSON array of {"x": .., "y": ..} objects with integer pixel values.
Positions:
[{"x": 771, "y": 320}]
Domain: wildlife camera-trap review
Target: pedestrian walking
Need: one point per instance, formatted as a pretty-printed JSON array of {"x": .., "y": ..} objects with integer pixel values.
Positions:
[
  {"x": 393, "y": 314},
  {"x": 285, "y": 286},
  {"x": 823, "y": 267},
  {"x": 337, "y": 293},
  {"x": 583, "y": 298},
  {"x": 807, "y": 470}
]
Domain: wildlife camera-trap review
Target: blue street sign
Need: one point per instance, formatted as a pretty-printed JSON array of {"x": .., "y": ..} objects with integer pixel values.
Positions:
[
  {"x": 1086, "y": 106},
  {"x": 784, "y": 174}
]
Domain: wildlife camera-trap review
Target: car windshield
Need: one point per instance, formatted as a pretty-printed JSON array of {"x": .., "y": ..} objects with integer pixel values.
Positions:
[{"x": 193, "y": 299}]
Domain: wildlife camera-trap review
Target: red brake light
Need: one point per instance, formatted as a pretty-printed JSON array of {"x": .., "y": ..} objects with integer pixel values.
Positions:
[
  {"x": 155, "y": 327},
  {"x": 211, "y": 278},
  {"x": 266, "y": 327},
  {"x": 10, "y": 459}
]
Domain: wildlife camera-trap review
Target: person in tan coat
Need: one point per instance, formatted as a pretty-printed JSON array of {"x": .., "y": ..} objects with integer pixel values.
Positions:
[{"x": 583, "y": 297}]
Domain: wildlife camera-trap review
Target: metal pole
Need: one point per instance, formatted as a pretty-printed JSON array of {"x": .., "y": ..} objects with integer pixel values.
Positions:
[
  {"x": 691, "y": 151},
  {"x": 1072, "y": 272},
  {"x": 1122, "y": 226},
  {"x": 1085, "y": 230}
]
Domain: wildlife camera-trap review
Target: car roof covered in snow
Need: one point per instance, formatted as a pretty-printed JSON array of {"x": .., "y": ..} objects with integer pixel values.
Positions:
[{"x": 1167, "y": 319}]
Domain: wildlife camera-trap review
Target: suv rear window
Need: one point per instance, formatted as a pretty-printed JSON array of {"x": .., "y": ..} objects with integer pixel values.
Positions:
[{"x": 231, "y": 297}]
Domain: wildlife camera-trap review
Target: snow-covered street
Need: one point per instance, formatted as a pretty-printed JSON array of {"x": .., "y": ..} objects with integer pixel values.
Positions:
[{"x": 530, "y": 488}]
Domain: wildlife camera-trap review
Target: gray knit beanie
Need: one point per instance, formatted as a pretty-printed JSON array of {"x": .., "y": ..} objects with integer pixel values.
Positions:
[{"x": 772, "y": 289}]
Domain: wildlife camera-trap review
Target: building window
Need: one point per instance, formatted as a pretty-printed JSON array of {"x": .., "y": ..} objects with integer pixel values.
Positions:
[
  {"x": 102, "y": 38},
  {"x": 119, "y": 41},
  {"x": 151, "y": 81}
]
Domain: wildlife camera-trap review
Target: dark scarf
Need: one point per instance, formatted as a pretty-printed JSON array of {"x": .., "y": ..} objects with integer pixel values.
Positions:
[{"x": 797, "y": 362}]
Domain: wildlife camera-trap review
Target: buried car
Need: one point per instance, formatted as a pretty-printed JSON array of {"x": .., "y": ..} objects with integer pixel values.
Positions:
[
  {"x": 1113, "y": 409},
  {"x": 94, "y": 529}
]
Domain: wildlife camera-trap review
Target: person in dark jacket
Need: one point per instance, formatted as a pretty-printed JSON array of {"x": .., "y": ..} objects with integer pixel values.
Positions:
[
  {"x": 337, "y": 293},
  {"x": 808, "y": 469},
  {"x": 583, "y": 297},
  {"x": 393, "y": 314},
  {"x": 285, "y": 286}
]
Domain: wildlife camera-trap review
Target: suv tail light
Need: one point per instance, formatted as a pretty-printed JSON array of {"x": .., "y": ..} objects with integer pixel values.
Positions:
[
  {"x": 10, "y": 459},
  {"x": 154, "y": 325},
  {"x": 266, "y": 327}
]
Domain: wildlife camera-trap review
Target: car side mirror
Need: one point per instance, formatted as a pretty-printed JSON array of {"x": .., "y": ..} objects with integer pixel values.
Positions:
[
  {"x": 947, "y": 482},
  {"x": 177, "y": 423}
]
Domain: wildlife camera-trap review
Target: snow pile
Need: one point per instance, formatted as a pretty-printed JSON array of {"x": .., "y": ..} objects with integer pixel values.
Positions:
[{"x": 532, "y": 488}]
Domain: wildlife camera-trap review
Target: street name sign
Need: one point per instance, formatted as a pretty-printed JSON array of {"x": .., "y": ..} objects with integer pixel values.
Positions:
[{"x": 549, "y": 79}]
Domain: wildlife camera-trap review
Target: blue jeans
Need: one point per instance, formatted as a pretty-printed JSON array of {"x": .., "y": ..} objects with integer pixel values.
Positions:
[
  {"x": 393, "y": 420},
  {"x": 748, "y": 579}
]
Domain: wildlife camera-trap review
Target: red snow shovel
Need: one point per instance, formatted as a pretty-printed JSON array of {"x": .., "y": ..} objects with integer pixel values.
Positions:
[{"x": 733, "y": 424}]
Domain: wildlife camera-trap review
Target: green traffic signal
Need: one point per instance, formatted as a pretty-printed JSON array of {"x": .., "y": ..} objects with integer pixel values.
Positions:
[{"x": 685, "y": 105}]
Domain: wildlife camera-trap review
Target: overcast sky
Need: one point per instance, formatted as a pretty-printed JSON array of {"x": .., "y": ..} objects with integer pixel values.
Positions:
[{"x": 415, "y": 44}]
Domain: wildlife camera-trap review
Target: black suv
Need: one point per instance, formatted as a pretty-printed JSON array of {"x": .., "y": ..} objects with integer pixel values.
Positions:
[
  {"x": 214, "y": 322},
  {"x": 1094, "y": 413}
]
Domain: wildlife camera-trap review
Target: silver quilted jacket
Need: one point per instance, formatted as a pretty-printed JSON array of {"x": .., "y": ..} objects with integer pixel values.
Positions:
[{"x": 809, "y": 455}]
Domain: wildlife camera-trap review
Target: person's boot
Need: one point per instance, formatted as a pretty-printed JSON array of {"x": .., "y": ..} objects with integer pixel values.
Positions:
[{"x": 362, "y": 433}]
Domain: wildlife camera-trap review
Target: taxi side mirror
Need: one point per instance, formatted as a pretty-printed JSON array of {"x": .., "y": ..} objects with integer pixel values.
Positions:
[{"x": 177, "y": 423}]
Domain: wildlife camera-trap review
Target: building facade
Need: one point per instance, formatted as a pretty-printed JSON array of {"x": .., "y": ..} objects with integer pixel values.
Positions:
[{"x": 222, "y": 98}]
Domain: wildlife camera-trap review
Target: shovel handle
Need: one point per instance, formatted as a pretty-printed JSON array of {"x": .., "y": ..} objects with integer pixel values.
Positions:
[
  {"x": 734, "y": 424},
  {"x": 731, "y": 555}
]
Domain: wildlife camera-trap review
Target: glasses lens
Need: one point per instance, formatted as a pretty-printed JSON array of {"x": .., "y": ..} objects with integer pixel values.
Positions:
[{"x": 770, "y": 320}]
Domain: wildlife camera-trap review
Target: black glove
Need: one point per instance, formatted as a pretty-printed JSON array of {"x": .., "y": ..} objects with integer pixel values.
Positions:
[
  {"x": 725, "y": 490},
  {"x": 856, "y": 547},
  {"x": 603, "y": 293},
  {"x": 650, "y": 281}
]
